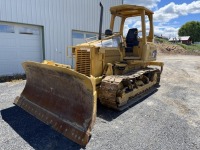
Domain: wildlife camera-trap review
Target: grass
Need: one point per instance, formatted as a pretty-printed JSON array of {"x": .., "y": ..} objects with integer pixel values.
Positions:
[
  {"x": 160, "y": 40},
  {"x": 192, "y": 48}
]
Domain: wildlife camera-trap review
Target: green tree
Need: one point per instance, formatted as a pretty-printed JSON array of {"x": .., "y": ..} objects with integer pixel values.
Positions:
[{"x": 191, "y": 29}]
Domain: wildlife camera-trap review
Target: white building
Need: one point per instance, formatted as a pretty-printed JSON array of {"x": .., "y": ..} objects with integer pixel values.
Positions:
[{"x": 43, "y": 29}]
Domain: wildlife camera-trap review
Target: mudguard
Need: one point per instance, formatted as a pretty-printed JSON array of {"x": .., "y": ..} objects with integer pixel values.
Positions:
[{"x": 61, "y": 98}]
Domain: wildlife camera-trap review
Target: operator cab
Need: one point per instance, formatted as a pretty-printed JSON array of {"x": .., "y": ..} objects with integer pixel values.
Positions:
[{"x": 135, "y": 46}]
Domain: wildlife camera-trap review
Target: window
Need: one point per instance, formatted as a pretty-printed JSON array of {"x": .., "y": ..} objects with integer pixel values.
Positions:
[
  {"x": 114, "y": 42},
  {"x": 77, "y": 35},
  {"x": 116, "y": 28},
  {"x": 7, "y": 29},
  {"x": 82, "y": 37},
  {"x": 90, "y": 35},
  {"x": 30, "y": 31}
]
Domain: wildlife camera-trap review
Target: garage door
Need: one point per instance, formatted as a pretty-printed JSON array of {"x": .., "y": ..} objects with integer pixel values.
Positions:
[{"x": 19, "y": 43}]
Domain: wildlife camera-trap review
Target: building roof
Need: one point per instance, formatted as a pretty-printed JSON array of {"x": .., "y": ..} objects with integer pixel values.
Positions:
[{"x": 184, "y": 38}]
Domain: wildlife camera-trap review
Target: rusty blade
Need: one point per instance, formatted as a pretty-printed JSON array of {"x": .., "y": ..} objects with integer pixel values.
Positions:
[{"x": 61, "y": 98}]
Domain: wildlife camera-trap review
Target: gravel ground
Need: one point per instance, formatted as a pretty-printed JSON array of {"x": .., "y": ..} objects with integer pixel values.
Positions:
[{"x": 169, "y": 119}]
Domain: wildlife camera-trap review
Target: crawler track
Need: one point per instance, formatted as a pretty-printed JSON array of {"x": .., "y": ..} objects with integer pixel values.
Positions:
[{"x": 121, "y": 91}]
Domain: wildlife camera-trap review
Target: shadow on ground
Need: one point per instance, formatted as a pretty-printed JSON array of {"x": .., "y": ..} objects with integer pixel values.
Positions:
[
  {"x": 108, "y": 114},
  {"x": 34, "y": 132}
]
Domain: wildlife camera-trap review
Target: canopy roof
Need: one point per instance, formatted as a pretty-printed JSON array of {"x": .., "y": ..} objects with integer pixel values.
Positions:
[{"x": 128, "y": 10}]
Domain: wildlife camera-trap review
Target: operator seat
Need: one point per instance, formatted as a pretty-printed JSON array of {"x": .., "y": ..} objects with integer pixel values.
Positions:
[{"x": 131, "y": 39}]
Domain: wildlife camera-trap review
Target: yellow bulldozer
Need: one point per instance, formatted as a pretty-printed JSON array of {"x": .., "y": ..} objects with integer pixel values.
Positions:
[{"x": 116, "y": 70}]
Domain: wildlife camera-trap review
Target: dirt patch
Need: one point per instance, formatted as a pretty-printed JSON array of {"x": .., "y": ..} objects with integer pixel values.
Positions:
[
  {"x": 170, "y": 48},
  {"x": 166, "y": 47}
]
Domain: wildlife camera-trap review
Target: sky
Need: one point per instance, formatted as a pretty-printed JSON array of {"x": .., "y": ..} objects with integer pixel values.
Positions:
[{"x": 169, "y": 15}]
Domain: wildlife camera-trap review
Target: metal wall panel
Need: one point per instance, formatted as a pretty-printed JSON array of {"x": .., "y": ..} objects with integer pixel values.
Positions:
[{"x": 59, "y": 18}]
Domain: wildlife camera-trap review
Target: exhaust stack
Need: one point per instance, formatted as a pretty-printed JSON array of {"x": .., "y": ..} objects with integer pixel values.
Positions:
[{"x": 101, "y": 21}]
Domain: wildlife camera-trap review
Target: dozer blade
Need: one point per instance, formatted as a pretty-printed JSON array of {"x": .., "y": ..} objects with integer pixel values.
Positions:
[{"x": 61, "y": 98}]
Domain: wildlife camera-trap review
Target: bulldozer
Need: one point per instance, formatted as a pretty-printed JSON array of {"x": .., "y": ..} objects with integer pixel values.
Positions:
[{"x": 115, "y": 70}]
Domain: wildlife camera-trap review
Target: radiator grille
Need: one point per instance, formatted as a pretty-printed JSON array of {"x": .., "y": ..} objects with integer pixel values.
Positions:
[{"x": 83, "y": 62}]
